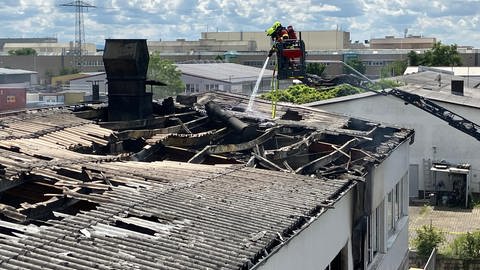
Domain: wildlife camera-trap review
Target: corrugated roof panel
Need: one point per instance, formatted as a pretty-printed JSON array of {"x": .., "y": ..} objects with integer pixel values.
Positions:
[{"x": 219, "y": 220}]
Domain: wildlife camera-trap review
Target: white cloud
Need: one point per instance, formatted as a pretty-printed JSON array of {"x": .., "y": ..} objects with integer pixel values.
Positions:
[{"x": 451, "y": 21}]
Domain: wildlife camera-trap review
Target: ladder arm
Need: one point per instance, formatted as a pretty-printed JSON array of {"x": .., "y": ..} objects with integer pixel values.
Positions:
[{"x": 450, "y": 117}]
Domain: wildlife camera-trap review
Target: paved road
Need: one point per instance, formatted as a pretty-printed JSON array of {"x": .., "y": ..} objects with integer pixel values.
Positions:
[{"x": 450, "y": 220}]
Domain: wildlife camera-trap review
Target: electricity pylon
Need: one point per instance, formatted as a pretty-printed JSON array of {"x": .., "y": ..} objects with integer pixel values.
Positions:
[{"x": 79, "y": 49}]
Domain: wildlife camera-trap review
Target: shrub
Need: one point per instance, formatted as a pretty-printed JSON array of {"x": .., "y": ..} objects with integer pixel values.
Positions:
[
  {"x": 428, "y": 237},
  {"x": 301, "y": 93},
  {"x": 384, "y": 84},
  {"x": 466, "y": 246}
]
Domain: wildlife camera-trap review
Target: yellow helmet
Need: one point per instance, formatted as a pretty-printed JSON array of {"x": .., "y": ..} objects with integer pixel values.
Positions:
[
  {"x": 272, "y": 29},
  {"x": 276, "y": 25}
]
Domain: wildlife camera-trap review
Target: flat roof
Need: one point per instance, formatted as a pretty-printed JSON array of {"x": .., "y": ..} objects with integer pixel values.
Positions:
[
  {"x": 457, "y": 71},
  {"x": 9, "y": 71},
  {"x": 227, "y": 72},
  {"x": 425, "y": 84}
]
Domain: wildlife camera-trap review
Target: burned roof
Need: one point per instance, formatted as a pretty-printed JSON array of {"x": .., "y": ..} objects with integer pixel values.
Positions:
[{"x": 186, "y": 189}]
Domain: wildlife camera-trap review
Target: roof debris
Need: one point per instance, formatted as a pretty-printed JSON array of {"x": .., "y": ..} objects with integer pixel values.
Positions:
[{"x": 183, "y": 190}]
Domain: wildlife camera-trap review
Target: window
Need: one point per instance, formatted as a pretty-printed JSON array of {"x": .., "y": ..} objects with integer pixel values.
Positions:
[
  {"x": 10, "y": 99},
  {"x": 191, "y": 88},
  {"x": 396, "y": 208},
  {"x": 396, "y": 205},
  {"x": 404, "y": 196},
  {"x": 373, "y": 233},
  {"x": 389, "y": 207},
  {"x": 209, "y": 87},
  {"x": 374, "y": 63}
]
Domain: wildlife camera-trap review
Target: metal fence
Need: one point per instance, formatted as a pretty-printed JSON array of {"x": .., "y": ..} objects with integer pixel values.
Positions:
[{"x": 431, "y": 260}]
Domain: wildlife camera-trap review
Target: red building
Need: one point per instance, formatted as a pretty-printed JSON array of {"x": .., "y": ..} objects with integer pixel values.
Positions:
[{"x": 12, "y": 98}]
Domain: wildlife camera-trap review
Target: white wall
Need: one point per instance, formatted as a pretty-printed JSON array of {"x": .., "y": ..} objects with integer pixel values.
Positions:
[
  {"x": 85, "y": 84},
  {"x": 388, "y": 173},
  {"x": 385, "y": 177},
  {"x": 317, "y": 245},
  {"x": 188, "y": 79},
  {"x": 450, "y": 144},
  {"x": 397, "y": 252}
]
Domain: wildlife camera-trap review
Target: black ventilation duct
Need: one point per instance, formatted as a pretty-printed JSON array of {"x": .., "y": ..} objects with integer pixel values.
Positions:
[{"x": 126, "y": 64}]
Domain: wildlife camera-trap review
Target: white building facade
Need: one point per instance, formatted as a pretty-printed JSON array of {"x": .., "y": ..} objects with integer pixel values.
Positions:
[{"x": 342, "y": 239}]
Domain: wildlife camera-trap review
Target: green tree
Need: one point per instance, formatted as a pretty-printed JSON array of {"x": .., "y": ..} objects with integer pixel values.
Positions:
[
  {"x": 428, "y": 237},
  {"x": 48, "y": 76},
  {"x": 466, "y": 246},
  {"x": 23, "y": 51},
  {"x": 316, "y": 68},
  {"x": 164, "y": 71},
  {"x": 439, "y": 55},
  {"x": 357, "y": 65},
  {"x": 393, "y": 69},
  {"x": 414, "y": 59}
]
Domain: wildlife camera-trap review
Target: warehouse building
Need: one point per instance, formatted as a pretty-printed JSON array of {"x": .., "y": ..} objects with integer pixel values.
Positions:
[
  {"x": 437, "y": 144},
  {"x": 14, "y": 84},
  {"x": 187, "y": 190},
  {"x": 226, "y": 77}
]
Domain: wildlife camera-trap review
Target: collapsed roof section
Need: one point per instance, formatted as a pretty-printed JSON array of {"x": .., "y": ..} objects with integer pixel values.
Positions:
[{"x": 75, "y": 191}]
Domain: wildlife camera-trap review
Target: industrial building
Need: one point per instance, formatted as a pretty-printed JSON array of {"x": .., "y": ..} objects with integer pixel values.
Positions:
[
  {"x": 12, "y": 98},
  {"x": 3, "y": 41},
  {"x": 181, "y": 214},
  {"x": 197, "y": 183},
  {"x": 437, "y": 144},
  {"x": 314, "y": 40},
  {"x": 247, "y": 48},
  {"x": 14, "y": 84},
  {"x": 84, "y": 82},
  {"x": 50, "y": 48},
  {"x": 408, "y": 42},
  {"x": 226, "y": 77}
]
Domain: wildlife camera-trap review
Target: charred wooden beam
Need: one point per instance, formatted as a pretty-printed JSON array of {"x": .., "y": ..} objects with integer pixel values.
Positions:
[
  {"x": 157, "y": 143},
  {"x": 147, "y": 152},
  {"x": 141, "y": 123},
  {"x": 12, "y": 212},
  {"x": 87, "y": 197},
  {"x": 148, "y": 133},
  {"x": 91, "y": 113},
  {"x": 294, "y": 148},
  {"x": 268, "y": 164},
  {"x": 227, "y": 148},
  {"x": 289, "y": 168},
  {"x": 324, "y": 160},
  {"x": 188, "y": 140}
]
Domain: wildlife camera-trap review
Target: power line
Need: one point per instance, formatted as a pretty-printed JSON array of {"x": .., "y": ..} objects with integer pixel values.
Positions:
[{"x": 79, "y": 30}]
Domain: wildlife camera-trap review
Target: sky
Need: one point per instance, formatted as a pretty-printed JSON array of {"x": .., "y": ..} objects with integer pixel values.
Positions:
[{"x": 450, "y": 21}]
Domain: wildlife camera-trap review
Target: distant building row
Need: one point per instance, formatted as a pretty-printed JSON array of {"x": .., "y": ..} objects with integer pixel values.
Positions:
[
  {"x": 43, "y": 46},
  {"x": 247, "y": 48},
  {"x": 231, "y": 41}
]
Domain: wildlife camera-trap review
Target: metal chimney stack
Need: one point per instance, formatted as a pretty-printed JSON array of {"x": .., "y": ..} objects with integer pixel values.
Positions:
[{"x": 126, "y": 64}]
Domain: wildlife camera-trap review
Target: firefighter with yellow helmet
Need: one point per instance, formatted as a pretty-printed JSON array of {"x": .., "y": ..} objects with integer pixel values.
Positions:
[{"x": 278, "y": 33}]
